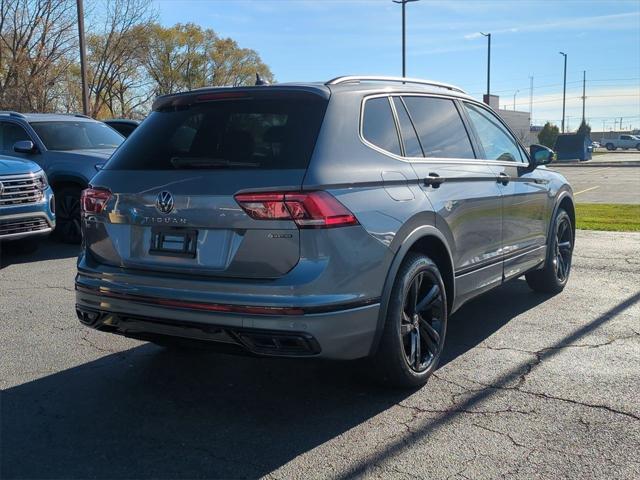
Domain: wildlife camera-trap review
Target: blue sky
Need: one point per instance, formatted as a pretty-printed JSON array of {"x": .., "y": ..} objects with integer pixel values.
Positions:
[{"x": 316, "y": 40}]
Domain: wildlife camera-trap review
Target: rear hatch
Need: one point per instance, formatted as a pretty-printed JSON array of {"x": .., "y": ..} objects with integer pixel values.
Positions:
[{"x": 172, "y": 184}]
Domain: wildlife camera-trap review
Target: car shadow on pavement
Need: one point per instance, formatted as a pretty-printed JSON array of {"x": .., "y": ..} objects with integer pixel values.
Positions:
[
  {"x": 148, "y": 412},
  {"x": 48, "y": 249}
]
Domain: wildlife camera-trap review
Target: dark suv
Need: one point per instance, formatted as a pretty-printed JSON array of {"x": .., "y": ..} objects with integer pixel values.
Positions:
[{"x": 342, "y": 220}]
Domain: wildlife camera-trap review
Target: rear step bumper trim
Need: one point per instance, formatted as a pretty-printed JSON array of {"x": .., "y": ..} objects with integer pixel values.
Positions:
[{"x": 227, "y": 308}]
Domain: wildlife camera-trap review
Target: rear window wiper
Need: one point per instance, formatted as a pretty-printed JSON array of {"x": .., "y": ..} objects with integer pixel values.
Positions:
[{"x": 204, "y": 162}]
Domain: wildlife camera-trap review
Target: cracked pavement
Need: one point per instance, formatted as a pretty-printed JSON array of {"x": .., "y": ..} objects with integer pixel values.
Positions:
[{"x": 531, "y": 386}]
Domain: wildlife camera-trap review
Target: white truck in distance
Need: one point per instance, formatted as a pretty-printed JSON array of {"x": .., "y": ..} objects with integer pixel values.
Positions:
[{"x": 623, "y": 141}]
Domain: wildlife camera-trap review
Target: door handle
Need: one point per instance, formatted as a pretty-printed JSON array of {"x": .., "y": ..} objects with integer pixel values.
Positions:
[
  {"x": 503, "y": 178},
  {"x": 433, "y": 180}
]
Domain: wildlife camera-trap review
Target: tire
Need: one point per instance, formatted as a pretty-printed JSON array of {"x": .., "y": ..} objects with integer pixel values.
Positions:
[
  {"x": 610, "y": 147},
  {"x": 553, "y": 277},
  {"x": 398, "y": 362},
  {"x": 638, "y": 147},
  {"x": 68, "y": 215}
]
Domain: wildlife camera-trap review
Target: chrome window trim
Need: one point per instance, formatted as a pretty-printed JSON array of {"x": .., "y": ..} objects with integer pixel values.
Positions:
[{"x": 437, "y": 160}]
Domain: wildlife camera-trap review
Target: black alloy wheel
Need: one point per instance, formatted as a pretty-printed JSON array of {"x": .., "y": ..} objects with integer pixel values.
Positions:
[
  {"x": 413, "y": 337},
  {"x": 421, "y": 324},
  {"x": 554, "y": 275},
  {"x": 563, "y": 249},
  {"x": 68, "y": 215}
]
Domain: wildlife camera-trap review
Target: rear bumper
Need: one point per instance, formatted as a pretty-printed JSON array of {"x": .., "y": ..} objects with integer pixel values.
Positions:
[{"x": 333, "y": 332}]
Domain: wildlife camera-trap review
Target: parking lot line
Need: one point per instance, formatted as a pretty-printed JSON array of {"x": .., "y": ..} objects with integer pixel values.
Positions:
[
  {"x": 599, "y": 169},
  {"x": 586, "y": 190}
]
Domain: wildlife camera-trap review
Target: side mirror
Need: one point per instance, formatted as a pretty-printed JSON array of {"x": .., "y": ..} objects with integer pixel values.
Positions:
[
  {"x": 24, "y": 146},
  {"x": 540, "y": 155}
]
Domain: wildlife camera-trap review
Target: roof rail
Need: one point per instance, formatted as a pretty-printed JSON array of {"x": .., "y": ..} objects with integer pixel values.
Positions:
[
  {"x": 373, "y": 78},
  {"x": 80, "y": 115},
  {"x": 12, "y": 113}
]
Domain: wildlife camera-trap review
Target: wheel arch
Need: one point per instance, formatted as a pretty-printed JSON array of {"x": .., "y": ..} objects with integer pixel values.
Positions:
[
  {"x": 61, "y": 181},
  {"x": 431, "y": 242},
  {"x": 565, "y": 201}
]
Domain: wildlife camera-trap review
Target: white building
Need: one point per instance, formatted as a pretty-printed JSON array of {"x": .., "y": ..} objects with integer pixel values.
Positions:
[{"x": 519, "y": 122}]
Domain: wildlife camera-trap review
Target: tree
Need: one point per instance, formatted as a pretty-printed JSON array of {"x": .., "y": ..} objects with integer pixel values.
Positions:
[
  {"x": 130, "y": 58},
  {"x": 115, "y": 56},
  {"x": 584, "y": 129},
  {"x": 37, "y": 38},
  {"x": 548, "y": 135},
  {"x": 185, "y": 56}
]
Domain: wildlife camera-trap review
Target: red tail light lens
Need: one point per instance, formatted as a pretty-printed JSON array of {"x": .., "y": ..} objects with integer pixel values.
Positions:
[
  {"x": 93, "y": 200},
  {"x": 308, "y": 209}
]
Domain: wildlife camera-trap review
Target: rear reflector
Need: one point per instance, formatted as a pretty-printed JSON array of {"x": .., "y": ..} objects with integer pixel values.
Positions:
[
  {"x": 308, "y": 209},
  {"x": 93, "y": 200}
]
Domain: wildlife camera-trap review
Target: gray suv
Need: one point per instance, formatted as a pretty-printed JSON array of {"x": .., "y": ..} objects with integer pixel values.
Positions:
[
  {"x": 69, "y": 148},
  {"x": 342, "y": 220}
]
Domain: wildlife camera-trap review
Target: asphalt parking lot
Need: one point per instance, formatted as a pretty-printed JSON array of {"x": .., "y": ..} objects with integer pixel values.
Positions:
[
  {"x": 597, "y": 184},
  {"x": 532, "y": 386}
]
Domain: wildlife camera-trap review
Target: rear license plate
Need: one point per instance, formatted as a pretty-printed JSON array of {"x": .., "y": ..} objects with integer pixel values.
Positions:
[{"x": 179, "y": 242}]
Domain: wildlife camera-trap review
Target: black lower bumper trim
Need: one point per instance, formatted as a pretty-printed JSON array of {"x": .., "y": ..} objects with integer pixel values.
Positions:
[{"x": 256, "y": 341}]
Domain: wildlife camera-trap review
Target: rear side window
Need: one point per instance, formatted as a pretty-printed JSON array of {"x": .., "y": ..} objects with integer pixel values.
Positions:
[
  {"x": 252, "y": 133},
  {"x": 497, "y": 142},
  {"x": 378, "y": 126},
  {"x": 440, "y": 128},
  {"x": 412, "y": 146}
]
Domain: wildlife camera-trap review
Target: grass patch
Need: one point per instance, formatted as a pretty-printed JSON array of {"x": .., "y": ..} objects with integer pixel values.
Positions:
[{"x": 608, "y": 216}]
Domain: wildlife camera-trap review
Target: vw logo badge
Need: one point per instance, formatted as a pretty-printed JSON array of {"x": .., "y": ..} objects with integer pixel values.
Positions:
[{"x": 164, "y": 202}]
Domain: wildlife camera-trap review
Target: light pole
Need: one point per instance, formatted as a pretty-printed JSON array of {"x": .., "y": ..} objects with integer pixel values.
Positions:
[
  {"x": 514, "y": 99},
  {"x": 488, "y": 35},
  {"x": 83, "y": 60},
  {"x": 404, "y": 3},
  {"x": 564, "y": 88}
]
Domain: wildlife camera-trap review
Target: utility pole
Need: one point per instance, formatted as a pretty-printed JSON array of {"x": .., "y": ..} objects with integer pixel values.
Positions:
[
  {"x": 514, "y": 99},
  {"x": 488, "y": 35},
  {"x": 584, "y": 82},
  {"x": 531, "y": 101},
  {"x": 83, "y": 60},
  {"x": 564, "y": 88},
  {"x": 404, "y": 63}
]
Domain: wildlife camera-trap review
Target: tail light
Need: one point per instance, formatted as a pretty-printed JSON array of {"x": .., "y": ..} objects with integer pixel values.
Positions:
[
  {"x": 308, "y": 209},
  {"x": 93, "y": 200}
]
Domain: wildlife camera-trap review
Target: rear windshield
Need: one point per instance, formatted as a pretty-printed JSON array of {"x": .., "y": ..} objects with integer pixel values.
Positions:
[
  {"x": 70, "y": 135},
  {"x": 241, "y": 133}
]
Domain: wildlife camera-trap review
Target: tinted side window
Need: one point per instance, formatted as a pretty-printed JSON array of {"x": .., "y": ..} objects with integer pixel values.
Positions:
[
  {"x": 378, "y": 126},
  {"x": 497, "y": 142},
  {"x": 412, "y": 146},
  {"x": 440, "y": 128},
  {"x": 11, "y": 133}
]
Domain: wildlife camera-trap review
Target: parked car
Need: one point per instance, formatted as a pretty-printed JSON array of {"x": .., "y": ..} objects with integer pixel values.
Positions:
[
  {"x": 595, "y": 145},
  {"x": 623, "y": 141},
  {"x": 27, "y": 210},
  {"x": 69, "y": 148},
  {"x": 340, "y": 220},
  {"x": 124, "y": 126}
]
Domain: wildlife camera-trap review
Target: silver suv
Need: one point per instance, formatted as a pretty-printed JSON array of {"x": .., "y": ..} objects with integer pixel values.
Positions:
[{"x": 342, "y": 220}]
